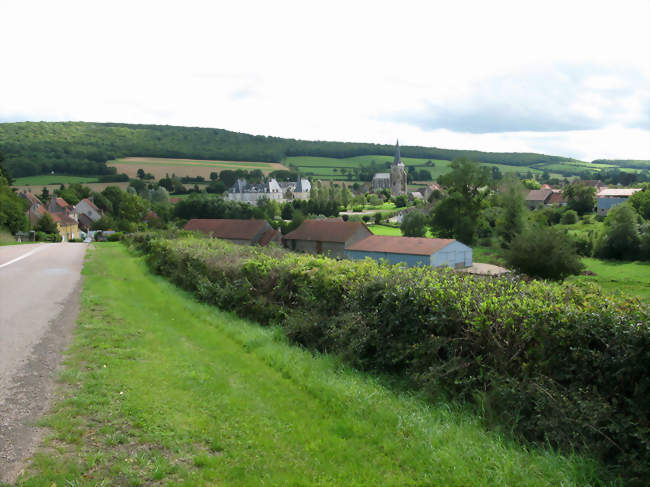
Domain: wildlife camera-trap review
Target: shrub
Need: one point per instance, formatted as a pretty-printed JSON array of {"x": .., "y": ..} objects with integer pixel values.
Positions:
[
  {"x": 569, "y": 217},
  {"x": 115, "y": 237},
  {"x": 620, "y": 238},
  {"x": 544, "y": 359},
  {"x": 544, "y": 252}
]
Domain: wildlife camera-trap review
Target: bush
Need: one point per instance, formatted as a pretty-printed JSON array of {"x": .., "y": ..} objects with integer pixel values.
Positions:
[
  {"x": 546, "y": 360},
  {"x": 569, "y": 217},
  {"x": 114, "y": 237},
  {"x": 544, "y": 252},
  {"x": 620, "y": 238}
]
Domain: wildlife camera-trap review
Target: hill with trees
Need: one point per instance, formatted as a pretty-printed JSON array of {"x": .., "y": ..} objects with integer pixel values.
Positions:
[{"x": 82, "y": 148}]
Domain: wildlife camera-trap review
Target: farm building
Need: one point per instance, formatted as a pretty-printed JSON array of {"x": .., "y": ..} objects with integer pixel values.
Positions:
[
  {"x": 412, "y": 251},
  {"x": 243, "y": 232},
  {"x": 329, "y": 237},
  {"x": 608, "y": 198}
]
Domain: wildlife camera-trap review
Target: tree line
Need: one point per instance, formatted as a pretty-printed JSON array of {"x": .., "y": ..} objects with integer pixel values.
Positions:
[{"x": 33, "y": 148}]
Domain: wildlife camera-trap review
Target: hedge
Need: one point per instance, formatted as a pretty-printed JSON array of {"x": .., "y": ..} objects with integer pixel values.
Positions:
[{"x": 562, "y": 365}]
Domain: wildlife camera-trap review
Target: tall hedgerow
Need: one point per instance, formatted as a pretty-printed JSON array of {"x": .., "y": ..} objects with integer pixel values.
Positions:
[{"x": 557, "y": 364}]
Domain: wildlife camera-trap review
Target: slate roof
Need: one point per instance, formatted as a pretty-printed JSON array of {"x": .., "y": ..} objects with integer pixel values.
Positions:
[
  {"x": 85, "y": 221},
  {"x": 326, "y": 231},
  {"x": 538, "y": 194},
  {"x": 92, "y": 205},
  {"x": 400, "y": 245},
  {"x": 225, "y": 228}
]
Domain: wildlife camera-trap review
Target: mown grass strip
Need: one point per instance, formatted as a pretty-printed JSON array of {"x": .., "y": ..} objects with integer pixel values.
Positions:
[{"x": 163, "y": 389}]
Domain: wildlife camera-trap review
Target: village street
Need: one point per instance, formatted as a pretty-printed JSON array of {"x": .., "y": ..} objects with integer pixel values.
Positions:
[{"x": 39, "y": 289}]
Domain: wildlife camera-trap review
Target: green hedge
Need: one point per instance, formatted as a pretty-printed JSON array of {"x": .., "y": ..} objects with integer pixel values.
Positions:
[{"x": 558, "y": 364}]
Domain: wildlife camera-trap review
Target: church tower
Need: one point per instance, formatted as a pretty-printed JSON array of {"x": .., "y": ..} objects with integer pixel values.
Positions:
[{"x": 397, "y": 174}]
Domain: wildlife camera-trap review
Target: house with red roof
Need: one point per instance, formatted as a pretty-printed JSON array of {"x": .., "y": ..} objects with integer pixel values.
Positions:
[
  {"x": 412, "y": 251},
  {"x": 243, "y": 232},
  {"x": 328, "y": 237},
  {"x": 87, "y": 209}
]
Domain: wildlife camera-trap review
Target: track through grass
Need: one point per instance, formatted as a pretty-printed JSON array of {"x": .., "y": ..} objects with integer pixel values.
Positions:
[{"x": 161, "y": 389}]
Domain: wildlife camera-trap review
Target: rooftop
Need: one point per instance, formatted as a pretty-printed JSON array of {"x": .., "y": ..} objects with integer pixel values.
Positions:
[
  {"x": 325, "y": 230},
  {"x": 225, "y": 228},
  {"x": 401, "y": 245},
  {"x": 612, "y": 192},
  {"x": 538, "y": 194}
]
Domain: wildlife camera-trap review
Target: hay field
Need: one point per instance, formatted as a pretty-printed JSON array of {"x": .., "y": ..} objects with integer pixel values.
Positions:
[{"x": 160, "y": 167}]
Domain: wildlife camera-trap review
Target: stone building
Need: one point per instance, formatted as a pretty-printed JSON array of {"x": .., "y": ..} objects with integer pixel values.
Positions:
[{"x": 395, "y": 180}]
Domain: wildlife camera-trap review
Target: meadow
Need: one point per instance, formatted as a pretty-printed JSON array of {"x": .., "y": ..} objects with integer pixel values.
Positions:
[
  {"x": 160, "y": 167},
  {"x": 53, "y": 179},
  {"x": 331, "y": 168},
  {"x": 99, "y": 187},
  {"x": 160, "y": 389},
  {"x": 618, "y": 277}
]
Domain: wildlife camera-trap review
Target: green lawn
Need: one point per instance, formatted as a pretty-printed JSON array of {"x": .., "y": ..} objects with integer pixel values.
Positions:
[
  {"x": 53, "y": 179},
  {"x": 629, "y": 278},
  {"x": 160, "y": 389}
]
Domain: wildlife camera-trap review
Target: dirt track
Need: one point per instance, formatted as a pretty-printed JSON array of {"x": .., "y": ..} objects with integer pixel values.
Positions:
[{"x": 39, "y": 290}]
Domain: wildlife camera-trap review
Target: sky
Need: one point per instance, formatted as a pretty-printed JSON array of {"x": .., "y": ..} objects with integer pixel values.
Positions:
[{"x": 567, "y": 78}]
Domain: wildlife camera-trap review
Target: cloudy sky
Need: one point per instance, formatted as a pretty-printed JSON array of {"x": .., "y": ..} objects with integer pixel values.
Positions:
[{"x": 567, "y": 78}]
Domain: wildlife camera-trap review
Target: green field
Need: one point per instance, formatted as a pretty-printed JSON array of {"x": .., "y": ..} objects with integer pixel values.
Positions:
[
  {"x": 159, "y": 389},
  {"x": 53, "y": 179},
  {"x": 329, "y": 167},
  {"x": 628, "y": 278}
]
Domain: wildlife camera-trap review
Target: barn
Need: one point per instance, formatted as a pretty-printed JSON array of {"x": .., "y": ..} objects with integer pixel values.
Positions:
[
  {"x": 412, "y": 251},
  {"x": 328, "y": 237},
  {"x": 242, "y": 232}
]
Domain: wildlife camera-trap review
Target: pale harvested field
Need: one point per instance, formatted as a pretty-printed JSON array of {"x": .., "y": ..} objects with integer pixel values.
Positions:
[
  {"x": 37, "y": 188},
  {"x": 160, "y": 167}
]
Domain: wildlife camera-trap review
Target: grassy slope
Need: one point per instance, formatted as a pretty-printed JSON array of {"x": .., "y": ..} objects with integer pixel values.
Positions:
[
  {"x": 53, "y": 179},
  {"x": 162, "y": 388}
]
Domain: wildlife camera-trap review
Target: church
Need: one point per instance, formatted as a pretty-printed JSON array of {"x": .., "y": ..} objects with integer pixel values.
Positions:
[{"x": 395, "y": 181}]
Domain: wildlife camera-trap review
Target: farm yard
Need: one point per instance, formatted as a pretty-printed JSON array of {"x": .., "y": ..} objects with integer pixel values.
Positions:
[{"x": 160, "y": 167}]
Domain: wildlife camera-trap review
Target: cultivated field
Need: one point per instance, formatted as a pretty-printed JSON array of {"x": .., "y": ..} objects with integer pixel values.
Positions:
[{"x": 160, "y": 167}]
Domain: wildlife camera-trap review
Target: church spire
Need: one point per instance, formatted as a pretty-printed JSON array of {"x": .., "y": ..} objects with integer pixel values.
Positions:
[{"x": 398, "y": 158}]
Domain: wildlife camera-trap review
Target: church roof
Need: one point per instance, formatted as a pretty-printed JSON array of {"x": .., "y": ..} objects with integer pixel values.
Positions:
[{"x": 398, "y": 157}]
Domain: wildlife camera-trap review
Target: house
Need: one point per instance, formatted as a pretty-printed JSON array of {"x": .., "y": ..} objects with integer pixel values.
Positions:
[
  {"x": 329, "y": 237},
  {"x": 66, "y": 225},
  {"x": 243, "y": 232},
  {"x": 556, "y": 198},
  {"x": 412, "y": 251},
  {"x": 87, "y": 207},
  {"x": 59, "y": 205},
  {"x": 31, "y": 197},
  {"x": 430, "y": 189},
  {"x": 537, "y": 197},
  {"x": 244, "y": 191},
  {"x": 610, "y": 197}
]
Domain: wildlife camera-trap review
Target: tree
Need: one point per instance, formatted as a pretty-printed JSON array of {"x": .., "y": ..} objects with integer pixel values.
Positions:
[
  {"x": 214, "y": 176},
  {"x": 620, "y": 238},
  {"x": 46, "y": 224},
  {"x": 640, "y": 201},
  {"x": 45, "y": 194},
  {"x": 544, "y": 252},
  {"x": 414, "y": 224},
  {"x": 133, "y": 208},
  {"x": 457, "y": 215},
  {"x": 141, "y": 174},
  {"x": 580, "y": 197},
  {"x": 569, "y": 217},
  {"x": 401, "y": 201},
  {"x": 512, "y": 219}
]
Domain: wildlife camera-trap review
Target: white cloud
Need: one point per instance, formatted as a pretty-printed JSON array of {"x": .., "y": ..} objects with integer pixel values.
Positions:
[{"x": 332, "y": 70}]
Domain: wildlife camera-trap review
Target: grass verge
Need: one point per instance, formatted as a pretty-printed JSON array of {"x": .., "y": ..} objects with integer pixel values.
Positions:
[{"x": 162, "y": 389}]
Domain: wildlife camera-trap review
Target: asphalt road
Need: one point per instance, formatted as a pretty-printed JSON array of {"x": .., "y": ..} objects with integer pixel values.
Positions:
[{"x": 39, "y": 289}]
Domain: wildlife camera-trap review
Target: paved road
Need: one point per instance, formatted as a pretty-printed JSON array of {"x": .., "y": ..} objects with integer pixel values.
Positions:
[{"x": 39, "y": 287}]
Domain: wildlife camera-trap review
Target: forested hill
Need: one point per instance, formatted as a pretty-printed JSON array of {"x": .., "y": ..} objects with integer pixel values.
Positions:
[{"x": 32, "y": 148}]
